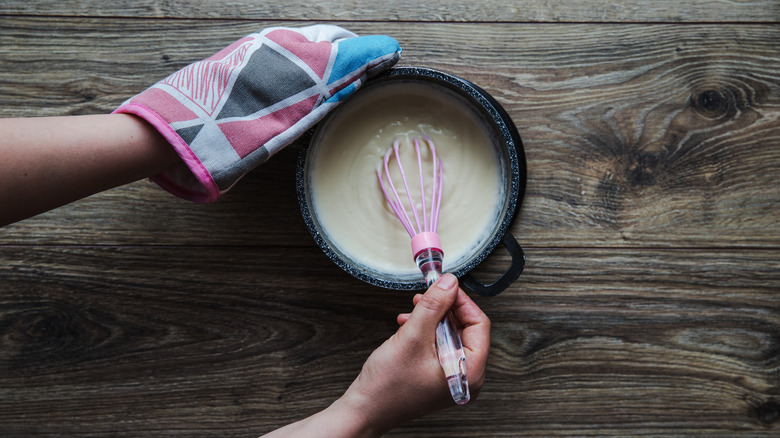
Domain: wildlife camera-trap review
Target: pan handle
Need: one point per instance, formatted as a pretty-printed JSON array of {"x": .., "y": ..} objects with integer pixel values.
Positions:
[{"x": 507, "y": 278}]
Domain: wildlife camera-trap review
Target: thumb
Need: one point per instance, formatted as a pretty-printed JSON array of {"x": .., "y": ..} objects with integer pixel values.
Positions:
[
  {"x": 367, "y": 54},
  {"x": 433, "y": 305},
  {"x": 380, "y": 52}
]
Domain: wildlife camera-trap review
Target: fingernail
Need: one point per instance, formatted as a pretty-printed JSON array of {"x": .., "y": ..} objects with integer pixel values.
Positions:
[{"x": 447, "y": 282}]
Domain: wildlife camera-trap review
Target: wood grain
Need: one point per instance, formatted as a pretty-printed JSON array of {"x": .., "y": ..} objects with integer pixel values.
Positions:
[
  {"x": 595, "y": 339},
  {"x": 411, "y": 10},
  {"x": 676, "y": 145}
]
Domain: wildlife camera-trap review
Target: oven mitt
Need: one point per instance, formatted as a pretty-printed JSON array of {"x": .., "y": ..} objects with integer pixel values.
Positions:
[{"x": 230, "y": 112}]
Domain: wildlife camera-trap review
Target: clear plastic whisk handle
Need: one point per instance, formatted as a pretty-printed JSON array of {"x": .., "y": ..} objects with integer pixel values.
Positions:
[{"x": 449, "y": 347}]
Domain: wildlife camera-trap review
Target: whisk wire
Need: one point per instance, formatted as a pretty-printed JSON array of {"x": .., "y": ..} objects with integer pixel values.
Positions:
[
  {"x": 396, "y": 145},
  {"x": 411, "y": 222},
  {"x": 394, "y": 201},
  {"x": 438, "y": 173},
  {"x": 422, "y": 188}
]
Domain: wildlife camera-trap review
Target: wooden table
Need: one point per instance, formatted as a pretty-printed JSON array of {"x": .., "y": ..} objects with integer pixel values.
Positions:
[{"x": 650, "y": 304}]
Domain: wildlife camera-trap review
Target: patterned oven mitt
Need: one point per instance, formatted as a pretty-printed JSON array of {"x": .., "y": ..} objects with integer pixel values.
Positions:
[{"x": 230, "y": 112}]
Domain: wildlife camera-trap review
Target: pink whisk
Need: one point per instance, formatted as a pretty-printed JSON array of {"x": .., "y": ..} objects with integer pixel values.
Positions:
[{"x": 427, "y": 253}]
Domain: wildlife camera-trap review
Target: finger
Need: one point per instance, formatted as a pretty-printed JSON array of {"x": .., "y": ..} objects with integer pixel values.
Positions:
[
  {"x": 432, "y": 306},
  {"x": 476, "y": 332},
  {"x": 475, "y": 324},
  {"x": 402, "y": 318},
  {"x": 466, "y": 311}
]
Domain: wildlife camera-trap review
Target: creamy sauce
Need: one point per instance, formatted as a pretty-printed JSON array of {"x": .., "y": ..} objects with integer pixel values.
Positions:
[{"x": 347, "y": 199}]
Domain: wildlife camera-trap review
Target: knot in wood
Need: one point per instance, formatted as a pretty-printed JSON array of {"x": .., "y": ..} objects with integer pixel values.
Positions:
[
  {"x": 642, "y": 169},
  {"x": 50, "y": 334},
  {"x": 768, "y": 413},
  {"x": 46, "y": 326},
  {"x": 711, "y": 103}
]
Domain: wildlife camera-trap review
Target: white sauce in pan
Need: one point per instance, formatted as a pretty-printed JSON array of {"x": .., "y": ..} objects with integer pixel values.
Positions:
[{"x": 346, "y": 196}]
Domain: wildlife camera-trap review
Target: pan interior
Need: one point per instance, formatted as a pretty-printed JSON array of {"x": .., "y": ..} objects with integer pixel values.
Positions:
[{"x": 347, "y": 204}]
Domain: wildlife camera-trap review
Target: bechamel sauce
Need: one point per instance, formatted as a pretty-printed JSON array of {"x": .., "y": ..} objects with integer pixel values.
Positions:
[{"x": 346, "y": 196}]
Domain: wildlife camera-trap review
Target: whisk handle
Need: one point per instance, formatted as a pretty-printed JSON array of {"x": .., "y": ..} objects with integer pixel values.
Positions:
[
  {"x": 452, "y": 359},
  {"x": 449, "y": 346}
]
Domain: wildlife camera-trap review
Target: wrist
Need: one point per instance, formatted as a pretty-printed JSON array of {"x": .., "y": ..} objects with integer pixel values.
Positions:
[
  {"x": 353, "y": 414},
  {"x": 346, "y": 417}
]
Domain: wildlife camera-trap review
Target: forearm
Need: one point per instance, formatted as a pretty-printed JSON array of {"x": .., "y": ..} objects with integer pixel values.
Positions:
[
  {"x": 47, "y": 162},
  {"x": 344, "y": 418}
]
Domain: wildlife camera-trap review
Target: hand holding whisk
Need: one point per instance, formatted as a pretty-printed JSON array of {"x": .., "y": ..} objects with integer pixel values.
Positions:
[{"x": 426, "y": 249}]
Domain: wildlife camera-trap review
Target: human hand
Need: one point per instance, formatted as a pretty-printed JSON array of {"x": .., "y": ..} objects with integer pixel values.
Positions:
[
  {"x": 403, "y": 379},
  {"x": 230, "y": 112}
]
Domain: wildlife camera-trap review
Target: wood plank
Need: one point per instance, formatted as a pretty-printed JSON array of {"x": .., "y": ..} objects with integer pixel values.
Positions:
[
  {"x": 413, "y": 10},
  {"x": 234, "y": 341},
  {"x": 635, "y": 135}
]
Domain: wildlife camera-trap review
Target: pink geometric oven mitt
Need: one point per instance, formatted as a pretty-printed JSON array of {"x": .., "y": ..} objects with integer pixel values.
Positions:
[{"x": 230, "y": 112}]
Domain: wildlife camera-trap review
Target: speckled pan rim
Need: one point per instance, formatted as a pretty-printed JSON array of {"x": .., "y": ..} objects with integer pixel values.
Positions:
[{"x": 508, "y": 137}]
